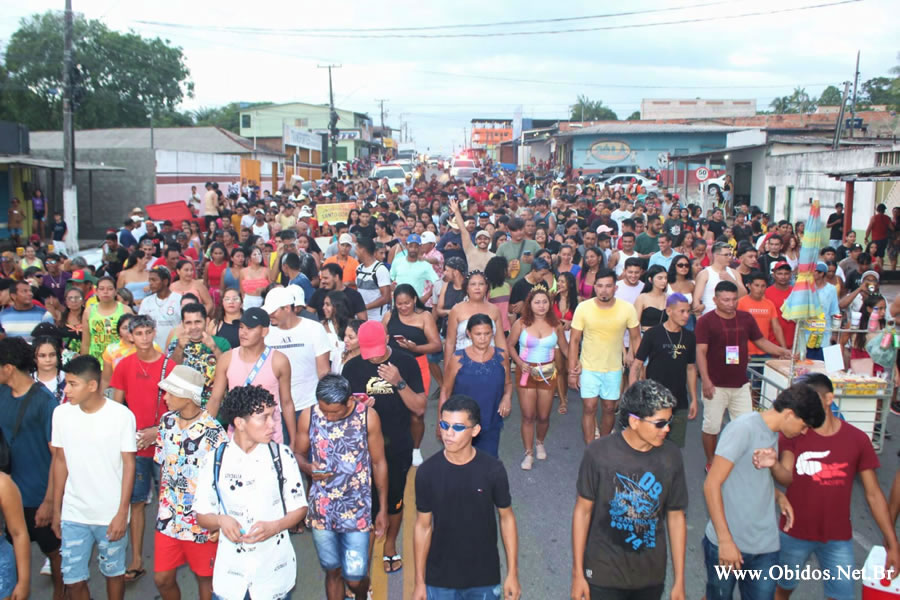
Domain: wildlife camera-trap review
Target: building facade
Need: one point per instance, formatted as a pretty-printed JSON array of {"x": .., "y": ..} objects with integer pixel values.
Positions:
[
  {"x": 696, "y": 108},
  {"x": 265, "y": 125}
]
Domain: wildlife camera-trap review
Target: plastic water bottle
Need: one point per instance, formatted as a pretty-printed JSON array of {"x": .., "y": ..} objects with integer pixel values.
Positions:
[{"x": 873, "y": 320}]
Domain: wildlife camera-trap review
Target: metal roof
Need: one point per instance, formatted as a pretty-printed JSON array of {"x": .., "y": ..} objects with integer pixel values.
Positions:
[
  {"x": 626, "y": 127},
  {"x": 883, "y": 173},
  {"x": 186, "y": 139},
  {"x": 714, "y": 154},
  {"x": 23, "y": 160}
]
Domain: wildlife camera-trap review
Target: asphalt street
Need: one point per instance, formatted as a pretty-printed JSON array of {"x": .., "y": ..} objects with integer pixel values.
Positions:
[{"x": 543, "y": 500}]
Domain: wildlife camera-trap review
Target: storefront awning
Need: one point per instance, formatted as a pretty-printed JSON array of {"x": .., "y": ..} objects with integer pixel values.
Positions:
[{"x": 22, "y": 160}]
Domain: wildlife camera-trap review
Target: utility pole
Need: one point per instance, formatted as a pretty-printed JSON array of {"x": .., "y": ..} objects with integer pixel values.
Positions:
[
  {"x": 70, "y": 192},
  {"x": 835, "y": 144},
  {"x": 333, "y": 117},
  {"x": 853, "y": 103},
  {"x": 381, "y": 101}
]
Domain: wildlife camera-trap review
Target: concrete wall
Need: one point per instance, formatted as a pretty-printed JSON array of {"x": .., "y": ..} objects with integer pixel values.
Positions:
[
  {"x": 177, "y": 171},
  {"x": 641, "y": 150},
  {"x": 114, "y": 194},
  {"x": 805, "y": 172},
  {"x": 696, "y": 108}
]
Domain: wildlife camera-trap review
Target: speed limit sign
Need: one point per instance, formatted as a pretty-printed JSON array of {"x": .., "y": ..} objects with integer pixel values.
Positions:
[{"x": 702, "y": 174}]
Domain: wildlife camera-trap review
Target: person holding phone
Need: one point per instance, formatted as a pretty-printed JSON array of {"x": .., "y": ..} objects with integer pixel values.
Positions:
[
  {"x": 344, "y": 433},
  {"x": 412, "y": 329}
]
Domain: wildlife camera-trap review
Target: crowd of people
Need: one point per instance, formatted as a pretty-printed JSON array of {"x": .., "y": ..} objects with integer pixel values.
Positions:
[{"x": 253, "y": 373}]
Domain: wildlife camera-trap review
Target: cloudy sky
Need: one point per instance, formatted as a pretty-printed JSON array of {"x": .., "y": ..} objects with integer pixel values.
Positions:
[{"x": 438, "y": 79}]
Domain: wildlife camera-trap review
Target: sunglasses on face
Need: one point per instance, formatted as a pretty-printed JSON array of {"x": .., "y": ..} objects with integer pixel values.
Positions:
[
  {"x": 657, "y": 424},
  {"x": 685, "y": 265},
  {"x": 457, "y": 427}
]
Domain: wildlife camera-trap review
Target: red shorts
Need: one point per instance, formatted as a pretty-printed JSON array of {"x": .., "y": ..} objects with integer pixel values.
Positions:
[{"x": 171, "y": 553}]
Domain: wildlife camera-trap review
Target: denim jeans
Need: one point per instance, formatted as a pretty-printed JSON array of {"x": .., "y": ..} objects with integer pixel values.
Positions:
[
  {"x": 752, "y": 588},
  {"x": 488, "y": 592},
  {"x": 831, "y": 555}
]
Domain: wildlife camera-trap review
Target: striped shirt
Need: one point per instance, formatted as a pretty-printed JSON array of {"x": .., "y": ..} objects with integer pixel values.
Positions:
[{"x": 20, "y": 323}]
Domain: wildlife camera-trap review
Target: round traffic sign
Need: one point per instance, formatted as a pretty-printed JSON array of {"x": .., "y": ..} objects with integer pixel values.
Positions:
[{"x": 702, "y": 174}]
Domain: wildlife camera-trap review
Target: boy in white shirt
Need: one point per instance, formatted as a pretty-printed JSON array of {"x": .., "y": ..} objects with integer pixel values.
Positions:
[
  {"x": 93, "y": 474},
  {"x": 251, "y": 491}
]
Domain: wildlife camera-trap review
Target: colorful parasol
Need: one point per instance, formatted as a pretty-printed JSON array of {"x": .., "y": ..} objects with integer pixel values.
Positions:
[{"x": 803, "y": 303}]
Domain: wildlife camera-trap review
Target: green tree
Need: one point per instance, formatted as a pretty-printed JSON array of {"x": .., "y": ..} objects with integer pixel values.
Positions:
[
  {"x": 880, "y": 90},
  {"x": 635, "y": 116},
  {"x": 120, "y": 78},
  {"x": 227, "y": 117},
  {"x": 831, "y": 96},
  {"x": 781, "y": 105},
  {"x": 587, "y": 110}
]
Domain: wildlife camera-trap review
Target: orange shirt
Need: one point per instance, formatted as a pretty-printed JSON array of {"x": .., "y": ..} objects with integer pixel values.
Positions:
[
  {"x": 349, "y": 266},
  {"x": 763, "y": 311}
]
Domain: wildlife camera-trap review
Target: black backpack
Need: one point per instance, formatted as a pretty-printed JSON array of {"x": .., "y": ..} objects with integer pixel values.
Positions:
[{"x": 6, "y": 446}]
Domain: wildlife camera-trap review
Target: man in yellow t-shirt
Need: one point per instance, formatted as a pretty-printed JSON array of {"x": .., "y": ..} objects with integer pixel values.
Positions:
[{"x": 601, "y": 322}]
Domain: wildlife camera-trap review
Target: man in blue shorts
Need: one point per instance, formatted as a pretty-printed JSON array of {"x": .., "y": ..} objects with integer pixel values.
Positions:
[{"x": 601, "y": 322}]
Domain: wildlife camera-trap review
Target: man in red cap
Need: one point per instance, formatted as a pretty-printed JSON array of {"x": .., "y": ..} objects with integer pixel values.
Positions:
[
  {"x": 778, "y": 293},
  {"x": 392, "y": 378}
]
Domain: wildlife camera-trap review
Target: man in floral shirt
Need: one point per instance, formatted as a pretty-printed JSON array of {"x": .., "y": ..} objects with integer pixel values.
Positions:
[
  {"x": 347, "y": 454},
  {"x": 187, "y": 434}
]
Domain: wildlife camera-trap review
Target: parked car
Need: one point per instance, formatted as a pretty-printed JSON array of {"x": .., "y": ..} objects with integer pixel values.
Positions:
[
  {"x": 394, "y": 173},
  {"x": 714, "y": 185},
  {"x": 462, "y": 163},
  {"x": 651, "y": 185}
]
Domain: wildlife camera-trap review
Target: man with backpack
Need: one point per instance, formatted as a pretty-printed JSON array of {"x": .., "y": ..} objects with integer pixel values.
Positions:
[
  {"x": 250, "y": 490},
  {"x": 26, "y": 412}
]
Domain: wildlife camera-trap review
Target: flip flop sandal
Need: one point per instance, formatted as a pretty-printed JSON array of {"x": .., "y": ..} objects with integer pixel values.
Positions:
[
  {"x": 132, "y": 575},
  {"x": 391, "y": 560}
]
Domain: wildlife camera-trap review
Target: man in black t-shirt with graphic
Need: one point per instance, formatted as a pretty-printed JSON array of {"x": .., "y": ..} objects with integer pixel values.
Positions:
[
  {"x": 629, "y": 483},
  {"x": 393, "y": 379},
  {"x": 459, "y": 492},
  {"x": 671, "y": 350}
]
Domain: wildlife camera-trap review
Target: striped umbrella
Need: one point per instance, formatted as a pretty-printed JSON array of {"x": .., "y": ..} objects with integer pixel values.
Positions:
[{"x": 803, "y": 302}]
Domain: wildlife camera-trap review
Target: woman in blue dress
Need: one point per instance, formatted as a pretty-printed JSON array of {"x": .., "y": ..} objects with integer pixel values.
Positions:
[{"x": 481, "y": 372}]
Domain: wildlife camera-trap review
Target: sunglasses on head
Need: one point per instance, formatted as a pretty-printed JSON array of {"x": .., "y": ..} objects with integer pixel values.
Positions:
[
  {"x": 457, "y": 427},
  {"x": 657, "y": 424}
]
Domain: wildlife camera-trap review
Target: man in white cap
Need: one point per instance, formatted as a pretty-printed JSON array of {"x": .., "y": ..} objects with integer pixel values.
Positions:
[
  {"x": 435, "y": 258},
  {"x": 343, "y": 258},
  {"x": 303, "y": 341},
  {"x": 187, "y": 435}
]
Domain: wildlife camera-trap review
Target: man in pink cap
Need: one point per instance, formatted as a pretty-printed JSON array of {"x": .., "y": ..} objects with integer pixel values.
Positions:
[{"x": 392, "y": 378}]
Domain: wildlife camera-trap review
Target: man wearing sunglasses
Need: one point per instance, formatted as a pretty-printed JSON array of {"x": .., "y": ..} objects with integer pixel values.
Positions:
[
  {"x": 670, "y": 350},
  {"x": 629, "y": 483},
  {"x": 458, "y": 558}
]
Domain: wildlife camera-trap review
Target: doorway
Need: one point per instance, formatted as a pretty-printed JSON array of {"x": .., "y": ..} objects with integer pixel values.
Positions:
[{"x": 743, "y": 172}]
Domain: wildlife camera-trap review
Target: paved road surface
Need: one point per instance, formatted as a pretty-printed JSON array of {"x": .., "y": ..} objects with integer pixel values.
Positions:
[{"x": 543, "y": 500}]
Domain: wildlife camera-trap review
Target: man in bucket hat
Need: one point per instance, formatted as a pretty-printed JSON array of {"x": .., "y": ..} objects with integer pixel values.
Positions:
[{"x": 187, "y": 435}]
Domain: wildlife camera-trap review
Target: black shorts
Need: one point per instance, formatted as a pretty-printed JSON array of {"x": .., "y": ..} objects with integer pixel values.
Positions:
[
  {"x": 38, "y": 215},
  {"x": 44, "y": 536},
  {"x": 398, "y": 468}
]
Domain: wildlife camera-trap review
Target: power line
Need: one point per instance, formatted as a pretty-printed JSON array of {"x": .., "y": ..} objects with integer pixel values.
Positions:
[
  {"x": 359, "y": 34},
  {"x": 267, "y": 31}
]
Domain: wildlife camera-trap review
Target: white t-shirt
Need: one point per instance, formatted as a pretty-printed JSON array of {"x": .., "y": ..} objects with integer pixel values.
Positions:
[
  {"x": 248, "y": 221},
  {"x": 369, "y": 281},
  {"x": 93, "y": 444},
  {"x": 301, "y": 345},
  {"x": 166, "y": 313},
  {"x": 267, "y": 569}
]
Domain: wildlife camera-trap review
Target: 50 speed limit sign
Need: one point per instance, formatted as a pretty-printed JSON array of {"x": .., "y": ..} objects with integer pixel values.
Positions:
[{"x": 702, "y": 174}]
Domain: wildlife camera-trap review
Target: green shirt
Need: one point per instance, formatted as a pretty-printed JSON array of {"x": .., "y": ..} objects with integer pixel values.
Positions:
[
  {"x": 514, "y": 250},
  {"x": 646, "y": 244}
]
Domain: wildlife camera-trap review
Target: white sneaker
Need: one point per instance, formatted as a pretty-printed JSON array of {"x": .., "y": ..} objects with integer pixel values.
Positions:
[
  {"x": 527, "y": 462},
  {"x": 540, "y": 452},
  {"x": 417, "y": 457},
  {"x": 45, "y": 570}
]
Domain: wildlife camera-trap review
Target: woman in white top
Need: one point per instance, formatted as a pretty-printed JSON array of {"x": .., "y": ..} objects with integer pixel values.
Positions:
[
  {"x": 709, "y": 278},
  {"x": 336, "y": 310},
  {"x": 48, "y": 357}
]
